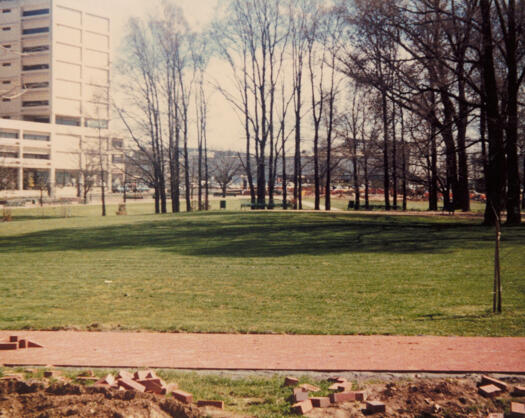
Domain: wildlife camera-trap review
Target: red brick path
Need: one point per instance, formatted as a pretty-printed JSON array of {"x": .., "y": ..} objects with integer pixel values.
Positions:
[{"x": 270, "y": 352}]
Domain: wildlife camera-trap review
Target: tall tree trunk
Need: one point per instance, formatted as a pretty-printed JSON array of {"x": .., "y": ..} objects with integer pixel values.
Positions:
[
  {"x": 404, "y": 159},
  {"x": 367, "y": 182},
  {"x": 206, "y": 173},
  {"x": 386, "y": 175},
  {"x": 356, "y": 174},
  {"x": 103, "y": 192},
  {"x": 317, "y": 183},
  {"x": 511, "y": 148},
  {"x": 394, "y": 157},
  {"x": 463, "y": 198},
  {"x": 199, "y": 176},
  {"x": 297, "y": 156},
  {"x": 187, "y": 169},
  {"x": 496, "y": 164}
]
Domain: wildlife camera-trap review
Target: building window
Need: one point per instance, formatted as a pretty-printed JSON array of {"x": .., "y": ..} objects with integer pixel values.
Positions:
[
  {"x": 37, "y": 156},
  {"x": 6, "y": 46},
  {"x": 32, "y": 31},
  {"x": 39, "y": 48},
  {"x": 37, "y": 137},
  {"x": 39, "y": 119},
  {"x": 96, "y": 123},
  {"x": 117, "y": 159},
  {"x": 6, "y": 99},
  {"x": 6, "y": 28},
  {"x": 64, "y": 120},
  {"x": 36, "y": 12},
  {"x": 10, "y": 135},
  {"x": 9, "y": 154},
  {"x": 35, "y": 67},
  {"x": 6, "y": 11},
  {"x": 33, "y": 103},
  {"x": 6, "y": 82},
  {"x": 6, "y": 64},
  {"x": 39, "y": 85},
  {"x": 117, "y": 143}
]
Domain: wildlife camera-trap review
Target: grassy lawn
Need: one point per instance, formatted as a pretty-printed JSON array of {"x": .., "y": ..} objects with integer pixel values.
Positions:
[{"x": 324, "y": 273}]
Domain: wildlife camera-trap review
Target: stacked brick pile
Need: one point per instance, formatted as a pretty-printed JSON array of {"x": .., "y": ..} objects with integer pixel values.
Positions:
[
  {"x": 147, "y": 381},
  {"x": 15, "y": 343},
  {"x": 492, "y": 388},
  {"x": 341, "y": 392}
]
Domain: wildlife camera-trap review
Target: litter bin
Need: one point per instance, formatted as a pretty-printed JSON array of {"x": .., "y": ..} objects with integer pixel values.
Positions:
[
  {"x": 223, "y": 204},
  {"x": 351, "y": 204}
]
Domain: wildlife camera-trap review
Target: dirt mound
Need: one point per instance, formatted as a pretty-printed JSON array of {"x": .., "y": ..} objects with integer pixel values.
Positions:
[
  {"x": 423, "y": 398},
  {"x": 36, "y": 400}
]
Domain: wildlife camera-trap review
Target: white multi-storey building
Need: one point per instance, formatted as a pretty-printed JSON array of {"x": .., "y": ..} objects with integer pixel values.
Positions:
[{"x": 54, "y": 95}]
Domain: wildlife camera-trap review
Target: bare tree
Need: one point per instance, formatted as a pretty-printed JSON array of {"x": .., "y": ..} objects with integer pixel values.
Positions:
[{"x": 224, "y": 169}]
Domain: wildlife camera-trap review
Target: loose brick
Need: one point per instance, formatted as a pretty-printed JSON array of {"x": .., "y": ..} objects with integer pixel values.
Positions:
[
  {"x": 182, "y": 396},
  {"x": 519, "y": 391},
  {"x": 123, "y": 374},
  {"x": 360, "y": 395},
  {"x": 319, "y": 402},
  {"x": 13, "y": 339},
  {"x": 517, "y": 410},
  {"x": 109, "y": 380},
  {"x": 32, "y": 344},
  {"x": 487, "y": 380},
  {"x": 153, "y": 386},
  {"x": 215, "y": 404},
  {"x": 374, "y": 407},
  {"x": 8, "y": 346},
  {"x": 489, "y": 391},
  {"x": 341, "y": 387},
  {"x": 299, "y": 395},
  {"x": 141, "y": 375},
  {"x": 171, "y": 387},
  {"x": 307, "y": 387},
  {"x": 130, "y": 384},
  {"x": 291, "y": 381},
  {"x": 340, "y": 397},
  {"x": 301, "y": 408}
]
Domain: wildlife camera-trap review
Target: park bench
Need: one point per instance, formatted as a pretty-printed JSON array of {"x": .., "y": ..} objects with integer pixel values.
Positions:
[
  {"x": 351, "y": 205},
  {"x": 254, "y": 206}
]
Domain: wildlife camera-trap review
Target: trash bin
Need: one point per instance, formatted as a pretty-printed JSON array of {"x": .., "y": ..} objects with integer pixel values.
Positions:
[
  {"x": 223, "y": 204},
  {"x": 351, "y": 204}
]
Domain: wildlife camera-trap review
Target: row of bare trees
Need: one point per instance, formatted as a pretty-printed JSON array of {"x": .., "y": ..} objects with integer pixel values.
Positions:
[
  {"x": 457, "y": 67},
  {"x": 443, "y": 77},
  {"x": 425, "y": 91},
  {"x": 161, "y": 88}
]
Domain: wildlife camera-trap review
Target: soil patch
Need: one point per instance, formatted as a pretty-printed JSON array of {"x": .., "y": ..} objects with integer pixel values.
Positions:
[{"x": 34, "y": 399}]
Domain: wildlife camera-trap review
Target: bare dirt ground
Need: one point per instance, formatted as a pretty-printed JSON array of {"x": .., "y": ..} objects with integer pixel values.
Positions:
[{"x": 422, "y": 397}]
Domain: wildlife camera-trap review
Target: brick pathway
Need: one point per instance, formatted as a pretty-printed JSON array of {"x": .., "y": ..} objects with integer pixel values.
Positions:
[{"x": 270, "y": 352}]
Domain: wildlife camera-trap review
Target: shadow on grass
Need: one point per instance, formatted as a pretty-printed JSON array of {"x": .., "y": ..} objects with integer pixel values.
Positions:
[
  {"x": 265, "y": 235},
  {"x": 449, "y": 317}
]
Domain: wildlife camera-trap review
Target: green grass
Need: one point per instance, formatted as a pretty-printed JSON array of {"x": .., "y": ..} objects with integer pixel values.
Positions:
[{"x": 325, "y": 273}]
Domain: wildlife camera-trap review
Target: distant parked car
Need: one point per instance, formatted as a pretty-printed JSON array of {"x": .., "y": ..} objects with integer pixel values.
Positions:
[{"x": 142, "y": 188}]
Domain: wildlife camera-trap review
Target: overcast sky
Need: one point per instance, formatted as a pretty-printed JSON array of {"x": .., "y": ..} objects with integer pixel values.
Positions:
[{"x": 224, "y": 128}]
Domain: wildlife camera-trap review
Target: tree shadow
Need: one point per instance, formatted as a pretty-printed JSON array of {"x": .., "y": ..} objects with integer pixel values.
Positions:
[{"x": 264, "y": 235}]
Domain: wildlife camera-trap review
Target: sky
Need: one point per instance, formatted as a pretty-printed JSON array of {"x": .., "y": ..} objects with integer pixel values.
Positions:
[{"x": 224, "y": 128}]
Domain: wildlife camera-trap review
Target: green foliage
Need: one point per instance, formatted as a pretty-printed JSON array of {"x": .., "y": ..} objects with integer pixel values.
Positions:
[{"x": 322, "y": 273}]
